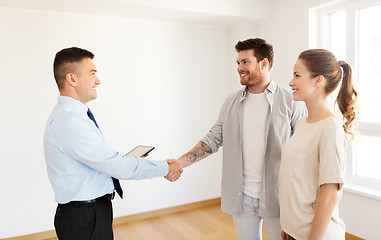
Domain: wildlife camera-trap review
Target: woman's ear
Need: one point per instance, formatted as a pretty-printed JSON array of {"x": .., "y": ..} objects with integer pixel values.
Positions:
[{"x": 319, "y": 80}]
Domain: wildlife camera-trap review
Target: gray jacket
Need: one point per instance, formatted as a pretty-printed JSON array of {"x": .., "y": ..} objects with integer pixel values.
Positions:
[{"x": 227, "y": 131}]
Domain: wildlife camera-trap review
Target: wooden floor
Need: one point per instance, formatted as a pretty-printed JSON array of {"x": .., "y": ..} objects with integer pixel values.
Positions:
[
  {"x": 202, "y": 223},
  {"x": 206, "y": 223}
]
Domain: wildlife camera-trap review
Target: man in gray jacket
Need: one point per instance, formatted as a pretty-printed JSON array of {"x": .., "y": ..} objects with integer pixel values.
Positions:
[{"x": 252, "y": 127}]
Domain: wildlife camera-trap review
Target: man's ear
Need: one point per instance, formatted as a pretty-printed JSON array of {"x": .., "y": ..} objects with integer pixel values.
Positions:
[
  {"x": 264, "y": 63},
  {"x": 319, "y": 80},
  {"x": 70, "y": 79}
]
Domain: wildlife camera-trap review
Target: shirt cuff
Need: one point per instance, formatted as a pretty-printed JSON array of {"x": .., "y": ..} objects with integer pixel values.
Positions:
[
  {"x": 210, "y": 143},
  {"x": 163, "y": 168}
]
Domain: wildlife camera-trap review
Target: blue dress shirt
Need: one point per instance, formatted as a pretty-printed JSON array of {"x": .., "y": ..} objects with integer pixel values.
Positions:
[{"x": 80, "y": 164}]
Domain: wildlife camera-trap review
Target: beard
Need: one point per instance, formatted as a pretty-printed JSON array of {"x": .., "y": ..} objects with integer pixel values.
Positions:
[{"x": 254, "y": 78}]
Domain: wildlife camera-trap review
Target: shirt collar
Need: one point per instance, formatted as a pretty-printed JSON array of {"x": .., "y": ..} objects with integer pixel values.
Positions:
[
  {"x": 269, "y": 90},
  {"x": 73, "y": 103},
  {"x": 271, "y": 87}
]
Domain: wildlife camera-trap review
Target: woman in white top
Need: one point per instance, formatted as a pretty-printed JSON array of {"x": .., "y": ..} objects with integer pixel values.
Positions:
[{"x": 312, "y": 166}]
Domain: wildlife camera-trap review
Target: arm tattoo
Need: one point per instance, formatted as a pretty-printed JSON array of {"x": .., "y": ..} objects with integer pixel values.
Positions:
[{"x": 198, "y": 152}]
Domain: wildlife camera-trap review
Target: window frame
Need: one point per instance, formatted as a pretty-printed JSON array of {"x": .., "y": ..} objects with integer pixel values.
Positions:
[{"x": 319, "y": 32}]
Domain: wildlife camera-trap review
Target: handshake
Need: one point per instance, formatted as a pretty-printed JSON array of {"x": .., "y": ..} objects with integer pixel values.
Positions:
[
  {"x": 175, "y": 170},
  {"x": 198, "y": 152}
]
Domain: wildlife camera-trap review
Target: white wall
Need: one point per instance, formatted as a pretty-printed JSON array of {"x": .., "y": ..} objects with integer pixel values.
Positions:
[
  {"x": 162, "y": 84},
  {"x": 288, "y": 30},
  {"x": 361, "y": 215}
]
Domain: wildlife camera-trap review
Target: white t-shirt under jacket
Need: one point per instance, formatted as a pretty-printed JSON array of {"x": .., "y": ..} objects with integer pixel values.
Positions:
[{"x": 255, "y": 115}]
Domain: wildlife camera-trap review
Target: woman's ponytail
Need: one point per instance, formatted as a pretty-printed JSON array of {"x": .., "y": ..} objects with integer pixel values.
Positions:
[{"x": 347, "y": 98}]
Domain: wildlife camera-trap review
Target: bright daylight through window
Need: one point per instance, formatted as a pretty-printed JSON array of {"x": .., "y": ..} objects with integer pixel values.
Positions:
[
  {"x": 360, "y": 45},
  {"x": 368, "y": 147}
]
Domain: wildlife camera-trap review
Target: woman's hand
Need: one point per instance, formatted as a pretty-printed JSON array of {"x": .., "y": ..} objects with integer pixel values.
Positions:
[{"x": 285, "y": 236}]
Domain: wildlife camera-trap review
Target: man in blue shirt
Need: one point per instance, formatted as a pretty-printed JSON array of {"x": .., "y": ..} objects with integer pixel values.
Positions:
[{"x": 82, "y": 168}]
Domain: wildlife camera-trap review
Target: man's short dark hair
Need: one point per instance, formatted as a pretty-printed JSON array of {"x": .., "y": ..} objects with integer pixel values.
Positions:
[
  {"x": 64, "y": 62},
  {"x": 261, "y": 48}
]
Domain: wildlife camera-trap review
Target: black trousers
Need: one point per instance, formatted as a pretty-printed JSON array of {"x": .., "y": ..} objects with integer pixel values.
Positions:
[{"x": 90, "y": 221}]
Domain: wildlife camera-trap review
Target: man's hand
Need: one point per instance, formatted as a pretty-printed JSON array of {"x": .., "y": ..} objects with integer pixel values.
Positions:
[{"x": 175, "y": 170}]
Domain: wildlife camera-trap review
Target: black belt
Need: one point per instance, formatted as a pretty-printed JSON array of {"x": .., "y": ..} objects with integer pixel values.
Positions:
[{"x": 104, "y": 198}]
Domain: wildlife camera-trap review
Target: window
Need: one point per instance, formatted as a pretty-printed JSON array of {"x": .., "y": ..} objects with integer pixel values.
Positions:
[
  {"x": 350, "y": 30},
  {"x": 337, "y": 26},
  {"x": 369, "y": 45}
]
